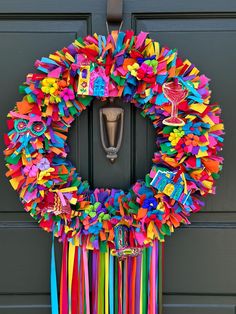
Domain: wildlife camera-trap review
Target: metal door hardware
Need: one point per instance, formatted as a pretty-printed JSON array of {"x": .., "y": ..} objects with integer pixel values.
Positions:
[{"x": 111, "y": 130}]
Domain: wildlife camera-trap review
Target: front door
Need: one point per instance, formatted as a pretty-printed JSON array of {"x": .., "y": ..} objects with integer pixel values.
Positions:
[{"x": 200, "y": 260}]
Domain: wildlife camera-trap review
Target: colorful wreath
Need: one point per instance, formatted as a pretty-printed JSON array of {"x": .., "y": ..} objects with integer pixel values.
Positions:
[{"x": 151, "y": 78}]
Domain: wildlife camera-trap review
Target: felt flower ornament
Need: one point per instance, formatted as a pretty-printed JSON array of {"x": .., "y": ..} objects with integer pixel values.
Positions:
[
  {"x": 152, "y": 63},
  {"x": 31, "y": 171},
  {"x": 90, "y": 211},
  {"x": 67, "y": 94},
  {"x": 175, "y": 136},
  {"x": 101, "y": 212},
  {"x": 49, "y": 85},
  {"x": 155, "y": 211},
  {"x": 145, "y": 72},
  {"x": 103, "y": 216},
  {"x": 43, "y": 164},
  {"x": 62, "y": 84},
  {"x": 133, "y": 69},
  {"x": 193, "y": 128},
  {"x": 150, "y": 203},
  {"x": 181, "y": 147},
  {"x": 191, "y": 140}
]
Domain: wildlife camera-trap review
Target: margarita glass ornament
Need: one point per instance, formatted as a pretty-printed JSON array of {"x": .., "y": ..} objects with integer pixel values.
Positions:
[{"x": 174, "y": 92}]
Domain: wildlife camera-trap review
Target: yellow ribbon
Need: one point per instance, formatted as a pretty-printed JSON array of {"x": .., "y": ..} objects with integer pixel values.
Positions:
[{"x": 106, "y": 282}]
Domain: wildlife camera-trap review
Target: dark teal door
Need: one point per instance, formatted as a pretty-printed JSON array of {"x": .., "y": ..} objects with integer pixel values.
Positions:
[{"x": 200, "y": 275}]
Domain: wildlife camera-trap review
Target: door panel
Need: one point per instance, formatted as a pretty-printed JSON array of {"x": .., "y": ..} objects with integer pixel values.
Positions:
[
  {"x": 25, "y": 249},
  {"x": 198, "y": 259},
  {"x": 197, "y": 309},
  {"x": 26, "y": 257},
  {"x": 22, "y": 42}
]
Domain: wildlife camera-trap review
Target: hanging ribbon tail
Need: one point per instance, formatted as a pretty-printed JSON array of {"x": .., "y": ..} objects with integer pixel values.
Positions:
[
  {"x": 160, "y": 272},
  {"x": 64, "y": 280},
  {"x": 96, "y": 282},
  {"x": 75, "y": 283},
  {"x": 157, "y": 277},
  {"x": 138, "y": 285},
  {"x": 86, "y": 279},
  {"x": 53, "y": 281},
  {"x": 147, "y": 273}
]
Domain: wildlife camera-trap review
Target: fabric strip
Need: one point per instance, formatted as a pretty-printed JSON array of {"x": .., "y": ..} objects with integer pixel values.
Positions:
[{"x": 54, "y": 291}]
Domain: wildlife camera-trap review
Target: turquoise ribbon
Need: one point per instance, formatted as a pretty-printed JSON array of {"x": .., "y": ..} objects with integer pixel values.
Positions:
[{"x": 53, "y": 281}]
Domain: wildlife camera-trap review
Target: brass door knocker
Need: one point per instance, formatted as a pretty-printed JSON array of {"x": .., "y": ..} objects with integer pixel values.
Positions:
[{"x": 111, "y": 129}]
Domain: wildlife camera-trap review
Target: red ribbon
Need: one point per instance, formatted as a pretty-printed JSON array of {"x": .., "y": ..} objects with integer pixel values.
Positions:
[{"x": 64, "y": 285}]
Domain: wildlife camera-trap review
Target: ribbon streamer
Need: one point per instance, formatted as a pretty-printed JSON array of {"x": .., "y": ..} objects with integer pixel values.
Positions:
[
  {"x": 54, "y": 292},
  {"x": 86, "y": 277},
  {"x": 96, "y": 282},
  {"x": 64, "y": 284}
]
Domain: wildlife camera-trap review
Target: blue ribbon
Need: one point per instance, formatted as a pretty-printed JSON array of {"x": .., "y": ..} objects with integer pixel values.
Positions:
[{"x": 53, "y": 281}]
